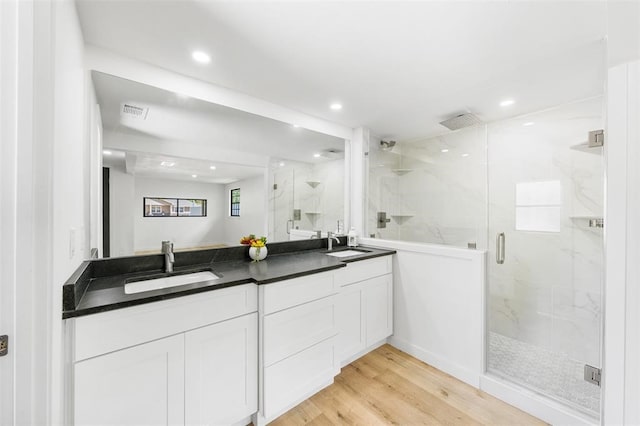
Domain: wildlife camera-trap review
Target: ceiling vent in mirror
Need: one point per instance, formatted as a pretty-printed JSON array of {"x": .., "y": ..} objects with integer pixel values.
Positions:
[
  {"x": 134, "y": 111},
  {"x": 461, "y": 121},
  {"x": 332, "y": 154}
]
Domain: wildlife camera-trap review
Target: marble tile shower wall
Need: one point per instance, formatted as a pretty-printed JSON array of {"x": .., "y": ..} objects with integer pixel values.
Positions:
[
  {"x": 316, "y": 189},
  {"x": 448, "y": 189},
  {"x": 548, "y": 291},
  {"x": 433, "y": 190}
]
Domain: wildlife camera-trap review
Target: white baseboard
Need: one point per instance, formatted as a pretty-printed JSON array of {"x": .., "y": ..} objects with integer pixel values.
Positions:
[{"x": 461, "y": 373}]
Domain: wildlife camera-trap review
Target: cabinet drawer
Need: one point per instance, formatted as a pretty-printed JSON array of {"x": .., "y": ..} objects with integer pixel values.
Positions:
[
  {"x": 292, "y": 380},
  {"x": 364, "y": 269},
  {"x": 109, "y": 331},
  {"x": 292, "y": 330},
  {"x": 285, "y": 294}
]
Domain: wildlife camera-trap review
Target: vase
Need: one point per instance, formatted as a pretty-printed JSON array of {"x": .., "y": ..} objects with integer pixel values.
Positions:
[{"x": 258, "y": 253}]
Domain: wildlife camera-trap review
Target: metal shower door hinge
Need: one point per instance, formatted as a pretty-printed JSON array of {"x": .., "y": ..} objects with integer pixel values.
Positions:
[
  {"x": 4, "y": 345},
  {"x": 592, "y": 374},
  {"x": 596, "y": 138}
]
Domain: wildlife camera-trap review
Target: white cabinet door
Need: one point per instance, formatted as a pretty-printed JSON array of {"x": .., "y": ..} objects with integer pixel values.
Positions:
[
  {"x": 141, "y": 385},
  {"x": 221, "y": 372},
  {"x": 379, "y": 308},
  {"x": 351, "y": 322}
]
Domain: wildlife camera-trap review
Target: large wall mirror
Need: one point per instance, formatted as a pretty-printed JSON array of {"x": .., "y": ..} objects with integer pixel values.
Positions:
[{"x": 164, "y": 153}]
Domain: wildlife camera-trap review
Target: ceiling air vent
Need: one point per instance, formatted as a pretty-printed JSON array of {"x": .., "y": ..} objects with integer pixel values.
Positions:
[
  {"x": 332, "y": 154},
  {"x": 461, "y": 121},
  {"x": 134, "y": 111}
]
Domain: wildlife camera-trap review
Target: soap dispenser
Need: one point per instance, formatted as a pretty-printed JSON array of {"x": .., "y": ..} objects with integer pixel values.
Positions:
[{"x": 352, "y": 237}]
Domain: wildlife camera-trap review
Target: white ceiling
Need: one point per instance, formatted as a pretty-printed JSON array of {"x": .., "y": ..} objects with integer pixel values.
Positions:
[
  {"x": 203, "y": 135},
  {"x": 397, "y": 67}
]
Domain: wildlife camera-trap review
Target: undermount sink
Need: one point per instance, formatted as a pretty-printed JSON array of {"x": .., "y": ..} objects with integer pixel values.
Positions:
[
  {"x": 166, "y": 282},
  {"x": 347, "y": 253}
]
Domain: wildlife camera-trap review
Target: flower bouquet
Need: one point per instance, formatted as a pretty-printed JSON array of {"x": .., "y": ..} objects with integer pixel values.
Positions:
[{"x": 258, "y": 249}]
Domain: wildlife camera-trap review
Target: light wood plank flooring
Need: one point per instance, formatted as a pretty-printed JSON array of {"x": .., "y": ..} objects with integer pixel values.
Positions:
[{"x": 388, "y": 386}]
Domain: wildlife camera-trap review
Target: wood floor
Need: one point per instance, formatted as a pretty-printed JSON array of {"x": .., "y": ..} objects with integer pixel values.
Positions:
[{"x": 387, "y": 386}]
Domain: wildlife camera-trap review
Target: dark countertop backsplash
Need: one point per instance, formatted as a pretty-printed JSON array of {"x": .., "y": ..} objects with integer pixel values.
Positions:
[{"x": 98, "y": 285}]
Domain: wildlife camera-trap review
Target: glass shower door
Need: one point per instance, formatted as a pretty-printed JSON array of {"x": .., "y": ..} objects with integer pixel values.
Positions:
[{"x": 545, "y": 252}]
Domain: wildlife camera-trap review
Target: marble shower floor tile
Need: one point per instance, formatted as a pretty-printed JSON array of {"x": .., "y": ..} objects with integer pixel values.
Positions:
[{"x": 550, "y": 373}]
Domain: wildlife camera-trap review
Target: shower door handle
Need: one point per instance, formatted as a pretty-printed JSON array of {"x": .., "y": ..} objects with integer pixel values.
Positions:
[
  {"x": 290, "y": 221},
  {"x": 500, "y": 248}
]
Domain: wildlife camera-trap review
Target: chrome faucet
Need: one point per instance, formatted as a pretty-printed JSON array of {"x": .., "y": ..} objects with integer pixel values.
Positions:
[
  {"x": 330, "y": 238},
  {"x": 169, "y": 259}
]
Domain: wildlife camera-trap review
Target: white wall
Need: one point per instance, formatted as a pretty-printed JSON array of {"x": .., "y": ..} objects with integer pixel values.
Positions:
[
  {"x": 253, "y": 214},
  {"x": 121, "y": 220},
  {"x": 69, "y": 180},
  {"x": 438, "y": 306},
  {"x": 184, "y": 232},
  {"x": 621, "y": 370}
]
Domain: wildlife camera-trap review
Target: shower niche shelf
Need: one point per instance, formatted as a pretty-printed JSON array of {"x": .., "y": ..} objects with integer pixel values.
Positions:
[
  {"x": 401, "y": 172},
  {"x": 313, "y": 183},
  {"x": 591, "y": 220},
  {"x": 584, "y": 147},
  {"x": 401, "y": 218}
]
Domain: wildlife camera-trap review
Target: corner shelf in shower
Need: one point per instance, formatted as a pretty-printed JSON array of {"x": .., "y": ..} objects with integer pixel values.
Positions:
[
  {"x": 313, "y": 183},
  {"x": 313, "y": 213},
  {"x": 401, "y": 172},
  {"x": 401, "y": 218},
  {"x": 584, "y": 147},
  {"x": 592, "y": 220}
]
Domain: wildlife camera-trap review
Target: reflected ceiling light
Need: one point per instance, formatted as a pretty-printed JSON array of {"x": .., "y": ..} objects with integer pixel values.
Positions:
[
  {"x": 212, "y": 167},
  {"x": 465, "y": 155},
  {"x": 316, "y": 155},
  {"x": 507, "y": 102},
  {"x": 336, "y": 106},
  {"x": 194, "y": 176},
  {"x": 529, "y": 123},
  {"x": 168, "y": 164},
  {"x": 444, "y": 150},
  {"x": 106, "y": 152},
  {"x": 296, "y": 125},
  {"x": 281, "y": 164},
  {"x": 200, "y": 57}
]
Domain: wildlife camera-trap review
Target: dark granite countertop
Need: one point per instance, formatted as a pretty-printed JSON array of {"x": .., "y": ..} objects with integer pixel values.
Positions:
[{"x": 98, "y": 285}]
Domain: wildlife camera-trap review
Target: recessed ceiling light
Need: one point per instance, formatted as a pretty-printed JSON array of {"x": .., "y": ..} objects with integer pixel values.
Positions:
[
  {"x": 296, "y": 125},
  {"x": 465, "y": 155},
  {"x": 168, "y": 164},
  {"x": 316, "y": 155},
  {"x": 529, "y": 123},
  {"x": 281, "y": 164},
  {"x": 106, "y": 152},
  {"x": 194, "y": 176},
  {"x": 444, "y": 150},
  {"x": 201, "y": 57},
  {"x": 507, "y": 102},
  {"x": 336, "y": 106},
  {"x": 212, "y": 167}
]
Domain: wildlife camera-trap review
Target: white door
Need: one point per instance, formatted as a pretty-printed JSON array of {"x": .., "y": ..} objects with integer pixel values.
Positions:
[
  {"x": 221, "y": 372},
  {"x": 142, "y": 385}
]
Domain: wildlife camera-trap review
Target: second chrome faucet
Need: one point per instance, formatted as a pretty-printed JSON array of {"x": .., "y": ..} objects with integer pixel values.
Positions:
[
  {"x": 330, "y": 238},
  {"x": 169, "y": 259}
]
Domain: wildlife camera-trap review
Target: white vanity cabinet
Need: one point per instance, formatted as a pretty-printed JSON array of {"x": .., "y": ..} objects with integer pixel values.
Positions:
[
  {"x": 298, "y": 325},
  {"x": 142, "y": 385},
  {"x": 189, "y": 360},
  {"x": 364, "y": 307}
]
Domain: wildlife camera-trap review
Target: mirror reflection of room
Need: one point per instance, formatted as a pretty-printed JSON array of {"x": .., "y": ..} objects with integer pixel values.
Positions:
[{"x": 202, "y": 175}]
